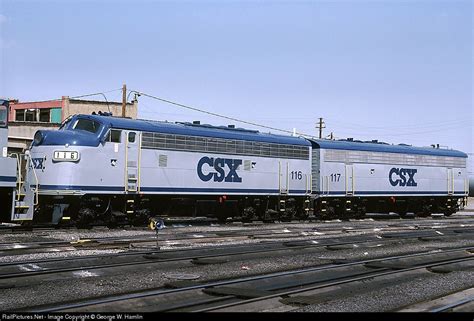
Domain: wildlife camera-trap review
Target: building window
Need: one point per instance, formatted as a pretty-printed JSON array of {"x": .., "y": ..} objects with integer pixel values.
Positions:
[
  {"x": 30, "y": 115},
  {"x": 20, "y": 115},
  {"x": 43, "y": 115}
]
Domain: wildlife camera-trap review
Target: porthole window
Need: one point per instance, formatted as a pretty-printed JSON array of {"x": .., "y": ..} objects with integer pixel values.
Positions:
[{"x": 131, "y": 137}]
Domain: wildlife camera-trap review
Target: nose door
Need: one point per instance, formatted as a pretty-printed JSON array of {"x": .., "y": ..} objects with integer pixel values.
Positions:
[{"x": 132, "y": 161}]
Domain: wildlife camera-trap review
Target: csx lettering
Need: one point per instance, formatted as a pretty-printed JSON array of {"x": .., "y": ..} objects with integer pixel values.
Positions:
[
  {"x": 219, "y": 164},
  {"x": 398, "y": 177},
  {"x": 37, "y": 163}
]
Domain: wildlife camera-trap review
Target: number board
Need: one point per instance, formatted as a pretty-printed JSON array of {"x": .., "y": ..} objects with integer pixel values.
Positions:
[{"x": 65, "y": 156}]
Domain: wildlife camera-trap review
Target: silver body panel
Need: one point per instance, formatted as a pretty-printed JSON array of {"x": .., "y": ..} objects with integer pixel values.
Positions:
[
  {"x": 344, "y": 173},
  {"x": 112, "y": 168}
]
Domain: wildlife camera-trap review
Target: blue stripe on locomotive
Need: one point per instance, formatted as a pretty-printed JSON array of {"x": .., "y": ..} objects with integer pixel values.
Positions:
[{"x": 7, "y": 179}]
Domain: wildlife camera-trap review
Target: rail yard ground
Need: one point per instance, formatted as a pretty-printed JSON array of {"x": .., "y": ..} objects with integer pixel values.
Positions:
[{"x": 370, "y": 265}]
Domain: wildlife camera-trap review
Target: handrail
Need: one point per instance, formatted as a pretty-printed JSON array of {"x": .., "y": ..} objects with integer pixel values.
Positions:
[
  {"x": 18, "y": 172},
  {"x": 36, "y": 196}
]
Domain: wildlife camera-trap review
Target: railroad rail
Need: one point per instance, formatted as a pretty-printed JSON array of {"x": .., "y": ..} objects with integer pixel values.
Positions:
[{"x": 247, "y": 293}]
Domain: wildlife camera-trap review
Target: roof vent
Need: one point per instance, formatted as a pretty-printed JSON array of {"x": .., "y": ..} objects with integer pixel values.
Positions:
[
  {"x": 196, "y": 122},
  {"x": 231, "y": 126},
  {"x": 100, "y": 113},
  {"x": 350, "y": 139},
  {"x": 375, "y": 141}
]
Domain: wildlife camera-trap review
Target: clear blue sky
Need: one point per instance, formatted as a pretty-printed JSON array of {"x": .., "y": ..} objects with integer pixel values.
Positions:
[{"x": 397, "y": 71}]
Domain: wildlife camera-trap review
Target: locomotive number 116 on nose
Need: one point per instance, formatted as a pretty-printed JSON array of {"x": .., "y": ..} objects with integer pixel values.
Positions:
[{"x": 66, "y": 156}]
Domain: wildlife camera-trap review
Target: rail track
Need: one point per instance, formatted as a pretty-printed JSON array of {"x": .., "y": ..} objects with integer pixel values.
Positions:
[
  {"x": 174, "y": 237},
  {"x": 285, "y": 290},
  {"x": 190, "y": 250},
  {"x": 137, "y": 255}
]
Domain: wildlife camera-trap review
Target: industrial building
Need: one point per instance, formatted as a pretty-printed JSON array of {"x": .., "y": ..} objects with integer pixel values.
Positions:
[{"x": 25, "y": 118}]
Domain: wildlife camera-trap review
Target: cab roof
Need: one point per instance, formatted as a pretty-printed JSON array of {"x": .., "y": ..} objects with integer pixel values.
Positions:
[{"x": 191, "y": 129}]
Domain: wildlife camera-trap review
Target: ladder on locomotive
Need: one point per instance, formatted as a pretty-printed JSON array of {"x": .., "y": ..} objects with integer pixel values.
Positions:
[{"x": 25, "y": 196}]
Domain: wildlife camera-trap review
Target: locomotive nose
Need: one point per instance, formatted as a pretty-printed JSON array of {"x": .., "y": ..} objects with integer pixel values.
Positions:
[{"x": 60, "y": 137}]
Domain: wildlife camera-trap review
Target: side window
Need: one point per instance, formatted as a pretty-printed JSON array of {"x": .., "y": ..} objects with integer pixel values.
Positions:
[
  {"x": 3, "y": 115},
  {"x": 113, "y": 136},
  {"x": 131, "y": 137}
]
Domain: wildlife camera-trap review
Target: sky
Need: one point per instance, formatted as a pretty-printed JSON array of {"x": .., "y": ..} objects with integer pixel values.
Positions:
[{"x": 396, "y": 71}]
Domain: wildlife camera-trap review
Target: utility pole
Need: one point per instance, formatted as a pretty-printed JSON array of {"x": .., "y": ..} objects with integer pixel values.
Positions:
[
  {"x": 124, "y": 99},
  {"x": 321, "y": 125}
]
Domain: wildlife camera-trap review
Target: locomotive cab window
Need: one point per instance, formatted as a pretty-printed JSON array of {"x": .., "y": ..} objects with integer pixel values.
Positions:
[
  {"x": 3, "y": 116},
  {"x": 63, "y": 124},
  {"x": 87, "y": 125},
  {"x": 131, "y": 137},
  {"x": 113, "y": 136}
]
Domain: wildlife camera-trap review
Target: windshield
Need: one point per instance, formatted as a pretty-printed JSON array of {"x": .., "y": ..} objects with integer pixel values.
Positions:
[
  {"x": 65, "y": 122},
  {"x": 3, "y": 116},
  {"x": 87, "y": 125}
]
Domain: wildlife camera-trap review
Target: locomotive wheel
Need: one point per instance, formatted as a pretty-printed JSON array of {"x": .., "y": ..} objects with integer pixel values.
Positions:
[
  {"x": 303, "y": 215},
  {"x": 422, "y": 214},
  {"x": 111, "y": 221},
  {"x": 248, "y": 214},
  {"x": 84, "y": 218},
  {"x": 141, "y": 217}
]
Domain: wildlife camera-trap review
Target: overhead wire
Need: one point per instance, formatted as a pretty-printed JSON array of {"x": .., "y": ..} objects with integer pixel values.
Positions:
[{"x": 217, "y": 115}]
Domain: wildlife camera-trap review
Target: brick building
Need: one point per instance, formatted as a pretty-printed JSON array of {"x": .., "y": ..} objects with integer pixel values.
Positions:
[{"x": 25, "y": 118}]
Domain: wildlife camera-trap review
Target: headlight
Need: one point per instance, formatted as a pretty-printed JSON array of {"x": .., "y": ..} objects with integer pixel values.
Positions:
[{"x": 38, "y": 139}]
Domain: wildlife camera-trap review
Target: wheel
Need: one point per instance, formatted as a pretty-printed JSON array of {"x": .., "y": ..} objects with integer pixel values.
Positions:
[
  {"x": 85, "y": 217},
  {"x": 141, "y": 217},
  {"x": 248, "y": 214}
]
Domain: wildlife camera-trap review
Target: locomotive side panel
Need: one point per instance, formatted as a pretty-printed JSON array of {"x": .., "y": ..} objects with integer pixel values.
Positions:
[
  {"x": 7, "y": 172},
  {"x": 356, "y": 178},
  {"x": 178, "y": 172},
  {"x": 423, "y": 175}
]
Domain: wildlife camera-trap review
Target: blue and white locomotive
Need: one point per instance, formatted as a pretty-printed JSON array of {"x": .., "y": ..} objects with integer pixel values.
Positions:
[
  {"x": 107, "y": 167},
  {"x": 16, "y": 198},
  {"x": 353, "y": 178},
  {"x": 103, "y": 168}
]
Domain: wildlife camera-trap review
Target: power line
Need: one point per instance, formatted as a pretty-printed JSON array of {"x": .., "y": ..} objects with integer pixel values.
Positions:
[
  {"x": 398, "y": 127},
  {"x": 217, "y": 115},
  {"x": 413, "y": 133},
  {"x": 95, "y": 94}
]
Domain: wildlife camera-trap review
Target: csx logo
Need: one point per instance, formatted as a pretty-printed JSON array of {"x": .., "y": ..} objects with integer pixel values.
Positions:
[
  {"x": 37, "y": 163},
  {"x": 398, "y": 176},
  {"x": 219, "y": 164}
]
